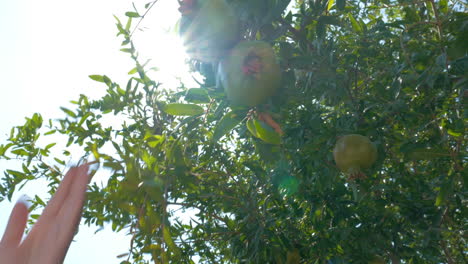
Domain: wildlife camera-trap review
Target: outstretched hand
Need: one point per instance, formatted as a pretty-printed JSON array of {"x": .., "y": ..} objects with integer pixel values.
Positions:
[{"x": 50, "y": 237}]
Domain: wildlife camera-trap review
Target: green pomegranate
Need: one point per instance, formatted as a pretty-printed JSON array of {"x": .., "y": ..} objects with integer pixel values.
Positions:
[
  {"x": 250, "y": 73},
  {"x": 208, "y": 27},
  {"x": 354, "y": 152}
]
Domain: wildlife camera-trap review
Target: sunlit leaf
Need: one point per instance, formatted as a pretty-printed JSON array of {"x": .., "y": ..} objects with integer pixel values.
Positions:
[
  {"x": 133, "y": 71},
  {"x": 266, "y": 133},
  {"x": 132, "y": 14},
  {"x": 330, "y": 4},
  {"x": 68, "y": 112},
  {"x": 355, "y": 24},
  {"x": 97, "y": 78},
  {"x": 197, "y": 95},
  {"x": 226, "y": 124},
  {"x": 251, "y": 127},
  {"x": 183, "y": 109}
]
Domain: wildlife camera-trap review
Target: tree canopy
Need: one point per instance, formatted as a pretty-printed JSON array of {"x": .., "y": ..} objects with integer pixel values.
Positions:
[{"x": 196, "y": 178}]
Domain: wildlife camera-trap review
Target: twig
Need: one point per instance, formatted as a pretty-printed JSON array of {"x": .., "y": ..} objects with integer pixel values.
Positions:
[
  {"x": 294, "y": 31},
  {"x": 208, "y": 110},
  {"x": 137, "y": 224},
  {"x": 142, "y": 17},
  {"x": 446, "y": 252},
  {"x": 163, "y": 220}
]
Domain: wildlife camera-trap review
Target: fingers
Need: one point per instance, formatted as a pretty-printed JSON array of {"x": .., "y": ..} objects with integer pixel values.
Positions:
[
  {"x": 70, "y": 212},
  {"x": 74, "y": 182},
  {"x": 68, "y": 182},
  {"x": 16, "y": 224}
]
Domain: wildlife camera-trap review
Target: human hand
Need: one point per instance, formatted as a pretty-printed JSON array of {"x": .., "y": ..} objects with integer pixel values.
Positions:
[{"x": 50, "y": 237}]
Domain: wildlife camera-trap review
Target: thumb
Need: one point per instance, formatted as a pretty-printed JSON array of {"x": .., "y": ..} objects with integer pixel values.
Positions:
[{"x": 16, "y": 224}]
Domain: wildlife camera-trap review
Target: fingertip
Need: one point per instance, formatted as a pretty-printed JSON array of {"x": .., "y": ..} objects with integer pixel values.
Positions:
[
  {"x": 84, "y": 167},
  {"x": 25, "y": 200},
  {"x": 17, "y": 222}
]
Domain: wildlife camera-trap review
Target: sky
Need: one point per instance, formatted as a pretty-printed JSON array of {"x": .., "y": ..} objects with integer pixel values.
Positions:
[{"x": 47, "y": 50}]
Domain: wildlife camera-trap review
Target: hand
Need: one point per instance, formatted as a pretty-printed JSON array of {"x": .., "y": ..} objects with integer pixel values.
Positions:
[{"x": 50, "y": 237}]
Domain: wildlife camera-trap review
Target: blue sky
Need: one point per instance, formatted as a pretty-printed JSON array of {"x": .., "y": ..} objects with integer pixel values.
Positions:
[{"x": 48, "y": 49}]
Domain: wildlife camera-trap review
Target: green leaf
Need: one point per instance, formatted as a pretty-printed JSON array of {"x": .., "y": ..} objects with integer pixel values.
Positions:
[
  {"x": 17, "y": 174},
  {"x": 266, "y": 133},
  {"x": 411, "y": 16},
  {"x": 179, "y": 109},
  {"x": 132, "y": 14},
  {"x": 49, "y": 146},
  {"x": 444, "y": 192},
  {"x": 226, "y": 124},
  {"x": 169, "y": 241},
  {"x": 251, "y": 127},
  {"x": 97, "y": 78},
  {"x": 197, "y": 95},
  {"x": 61, "y": 162},
  {"x": 127, "y": 50},
  {"x": 20, "y": 152},
  {"x": 129, "y": 24},
  {"x": 133, "y": 71},
  {"x": 454, "y": 133},
  {"x": 4, "y": 148},
  {"x": 50, "y": 132},
  {"x": 68, "y": 112},
  {"x": 356, "y": 26},
  {"x": 443, "y": 6},
  {"x": 330, "y": 4},
  {"x": 39, "y": 201}
]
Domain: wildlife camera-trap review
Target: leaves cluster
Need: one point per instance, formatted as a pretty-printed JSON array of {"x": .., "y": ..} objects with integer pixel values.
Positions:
[{"x": 394, "y": 71}]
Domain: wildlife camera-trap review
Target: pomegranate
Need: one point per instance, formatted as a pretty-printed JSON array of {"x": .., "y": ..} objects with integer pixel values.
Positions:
[
  {"x": 250, "y": 73},
  {"x": 353, "y": 153}
]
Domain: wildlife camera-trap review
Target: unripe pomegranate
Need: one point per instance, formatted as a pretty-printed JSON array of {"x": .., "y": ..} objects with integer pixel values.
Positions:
[
  {"x": 353, "y": 153},
  {"x": 250, "y": 73}
]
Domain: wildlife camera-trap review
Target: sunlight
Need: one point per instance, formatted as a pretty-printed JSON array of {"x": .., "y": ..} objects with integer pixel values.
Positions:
[
  {"x": 157, "y": 39},
  {"x": 50, "y": 48}
]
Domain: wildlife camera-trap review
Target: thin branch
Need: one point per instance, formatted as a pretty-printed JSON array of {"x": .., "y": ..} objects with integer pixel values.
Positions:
[
  {"x": 446, "y": 252},
  {"x": 295, "y": 32},
  {"x": 142, "y": 17},
  {"x": 163, "y": 220},
  {"x": 135, "y": 226}
]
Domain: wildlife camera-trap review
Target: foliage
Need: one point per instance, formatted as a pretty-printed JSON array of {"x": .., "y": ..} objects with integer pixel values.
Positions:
[{"x": 394, "y": 71}]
